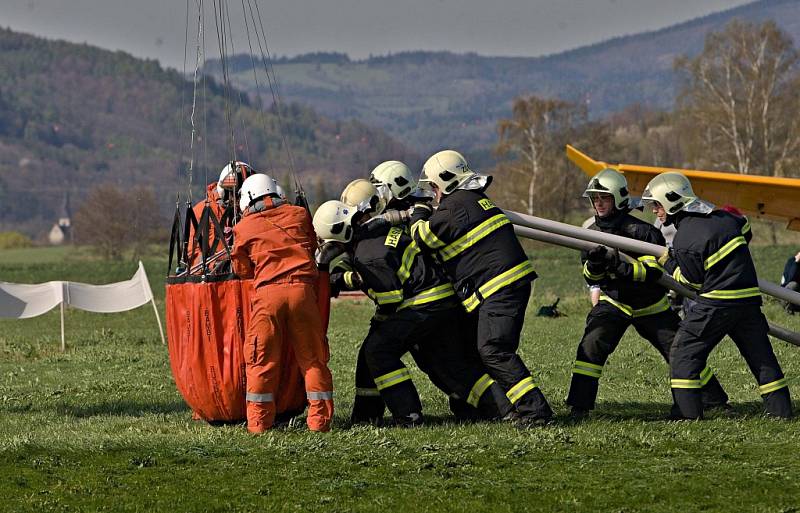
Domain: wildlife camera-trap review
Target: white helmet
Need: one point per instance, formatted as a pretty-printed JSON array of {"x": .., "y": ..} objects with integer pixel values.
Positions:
[
  {"x": 447, "y": 170},
  {"x": 255, "y": 187},
  {"x": 333, "y": 221},
  {"x": 280, "y": 191},
  {"x": 363, "y": 196},
  {"x": 232, "y": 177},
  {"x": 610, "y": 181},
  {"x": 396, "y": 176},
  {"x": 673, "y": 190}
]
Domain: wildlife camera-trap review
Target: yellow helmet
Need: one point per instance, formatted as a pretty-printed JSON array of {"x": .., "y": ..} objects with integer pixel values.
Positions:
[
  {"x": 362, "y": 195},
  {"x": 673, "y": 190},
  {"x": 610, "y": 181},
  {"x": 447, "y": 170},
  {"x": 394, "y": 175}
]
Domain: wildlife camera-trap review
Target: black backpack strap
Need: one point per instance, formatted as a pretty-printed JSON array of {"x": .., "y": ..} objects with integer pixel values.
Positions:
[{"x": 175, "y": 241}]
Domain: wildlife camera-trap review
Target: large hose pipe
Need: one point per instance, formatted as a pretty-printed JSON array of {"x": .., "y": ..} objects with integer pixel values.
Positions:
[
  {"x": 630, "y": 245},
  {"x": 666, "y": 281}
]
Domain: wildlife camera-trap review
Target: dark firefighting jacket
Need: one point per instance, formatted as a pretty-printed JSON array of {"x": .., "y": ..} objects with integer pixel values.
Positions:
[
  {"x": 476, "y": 244},
  {"x": 396, "y": 274},
  {"x": 710, "y": 254},
  {"x": 630, "y": 287}
]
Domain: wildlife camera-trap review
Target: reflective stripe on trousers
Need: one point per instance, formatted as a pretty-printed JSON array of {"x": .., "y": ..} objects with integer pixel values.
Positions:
[
  {"x": 705, "y": 377},
  {"x": 478, "y": 389},
  {"x": 516, "y": 392},
  {"x": 367, "y": 392},
  {"x": 392, "y": 378},
  {"x": 587, "y": 369},
  {"x": 771, "y": 387},
  {"x": 259, "y": 398},
  {"x": 320, "y": 396}
]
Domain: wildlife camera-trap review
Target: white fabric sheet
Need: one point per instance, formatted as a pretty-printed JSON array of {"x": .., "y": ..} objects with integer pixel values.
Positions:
[{"x": 21, "y": 301}]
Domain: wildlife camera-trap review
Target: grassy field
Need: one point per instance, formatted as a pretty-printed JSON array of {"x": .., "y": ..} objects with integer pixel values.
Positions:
[{"x": 102, "y": 427}]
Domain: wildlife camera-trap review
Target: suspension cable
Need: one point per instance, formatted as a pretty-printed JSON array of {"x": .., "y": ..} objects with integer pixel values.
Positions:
[{"x": 266, "y": 59}]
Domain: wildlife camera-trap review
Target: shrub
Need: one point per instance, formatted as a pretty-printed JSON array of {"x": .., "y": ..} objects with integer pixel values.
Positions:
[{"x": 11, "y": 240}]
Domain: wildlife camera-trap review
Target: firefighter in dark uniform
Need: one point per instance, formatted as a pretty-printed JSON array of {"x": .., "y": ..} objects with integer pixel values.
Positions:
[
  {"x": 414, "y": 302},
  {"x": 395, "y": 183},
  {"x": 476, "y": 244},
  {"x": 629, "y": 296},
  {"x": 711, "y": 255}
]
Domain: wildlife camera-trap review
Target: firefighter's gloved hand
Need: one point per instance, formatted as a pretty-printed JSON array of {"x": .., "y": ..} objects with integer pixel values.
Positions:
[
  {"x": 372, "y": 226},
  {"x": 395, "y": 217},
  {"x": 421, "y": 212},
  {"x": 597, "y": 255},
  {"x": 327, "y": 252},
  {"x": 335, "y": 281},
  {"x": 596, "y": 260}
]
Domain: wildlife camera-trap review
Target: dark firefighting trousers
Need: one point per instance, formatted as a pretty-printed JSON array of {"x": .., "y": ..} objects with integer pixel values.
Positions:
[
  {"x": 701, "y": 330},
  {"x": 605, "y": 326},
  {"x": 435, "y": 343},
  {"x": 499, "y": 324}
]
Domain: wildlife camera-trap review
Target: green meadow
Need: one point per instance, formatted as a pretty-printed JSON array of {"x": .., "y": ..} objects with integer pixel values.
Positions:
[{"x": 102, "y": 427}]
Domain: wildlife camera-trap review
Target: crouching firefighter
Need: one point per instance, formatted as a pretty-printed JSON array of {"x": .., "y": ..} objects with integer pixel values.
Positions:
[
  {"x": 710, "y": 254},
  {"x": 629, "y": 297},
  {"x": 386, "y": 200},
  {"x": 275, "y": 244},
  {"x": 476, "y": 244},
  {"x": 415, "y": 306}
]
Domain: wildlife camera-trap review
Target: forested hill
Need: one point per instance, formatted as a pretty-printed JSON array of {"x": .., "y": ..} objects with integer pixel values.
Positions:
[
  {"x": 434, "y": 99},
  {"x": 74, "y": 116}
]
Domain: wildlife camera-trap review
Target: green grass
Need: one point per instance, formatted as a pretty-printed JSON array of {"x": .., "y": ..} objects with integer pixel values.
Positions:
[{"x": 102, "y": 427}]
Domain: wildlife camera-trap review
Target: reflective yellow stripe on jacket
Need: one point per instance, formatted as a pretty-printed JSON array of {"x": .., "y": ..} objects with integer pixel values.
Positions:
[
  {"x": 661, "y": 306},
  {"x": 501, "y": 280},
  {"x": 423, "y": 229},
  {"x": 386, "y": 298},
  {"x": 407, "y": 261},
  {"x": 724, "y": 251},
  {"x": 588, "y": 273},
  {"x": 680, "y": 278},
  {"x": 473, "y": 236},
  {"x": 429, "y": 296},
  {"x": 732, "y": 294}
]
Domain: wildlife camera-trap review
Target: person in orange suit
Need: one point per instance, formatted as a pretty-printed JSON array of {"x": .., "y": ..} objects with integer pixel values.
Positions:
[
  {"x": 275, "y": 244},
  {"x": 220, "y": 196}
]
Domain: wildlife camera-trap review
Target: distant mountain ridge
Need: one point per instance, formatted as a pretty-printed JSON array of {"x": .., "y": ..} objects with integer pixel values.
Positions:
[
  {"x": 431, "y": 100},
  {"x": 74, "y": 116}
]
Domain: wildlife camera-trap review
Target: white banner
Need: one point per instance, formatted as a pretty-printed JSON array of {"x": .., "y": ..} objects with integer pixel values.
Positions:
[{"x": 22, "y": 301}]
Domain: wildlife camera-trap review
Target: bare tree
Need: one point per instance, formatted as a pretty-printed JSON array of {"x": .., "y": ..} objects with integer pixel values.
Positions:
[
  {"x": 740, "y": 101},
  {"x": 532, "y": 146},
  {"x": 114, "y": 221}
]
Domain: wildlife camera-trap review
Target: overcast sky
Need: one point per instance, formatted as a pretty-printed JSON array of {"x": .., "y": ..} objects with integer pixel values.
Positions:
[{"x": 156, "y": 28}]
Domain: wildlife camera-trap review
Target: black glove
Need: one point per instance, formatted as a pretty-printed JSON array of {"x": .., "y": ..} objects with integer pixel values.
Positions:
[
  {"x": 327, "y": 252},
  {"x": 421, "y": 212},
  {"x": 597, "y": 255},
  {"x": 596, "y": 261}
]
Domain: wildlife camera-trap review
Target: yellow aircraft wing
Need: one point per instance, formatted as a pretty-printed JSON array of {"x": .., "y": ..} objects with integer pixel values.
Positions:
[{"x": 759, "y": 196}]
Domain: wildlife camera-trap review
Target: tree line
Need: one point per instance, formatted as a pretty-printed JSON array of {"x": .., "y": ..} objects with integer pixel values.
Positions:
[{"x": 738, "y": 110}]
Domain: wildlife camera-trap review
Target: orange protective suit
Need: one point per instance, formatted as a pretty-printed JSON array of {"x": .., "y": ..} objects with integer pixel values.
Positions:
[{"x": 276, "y": 247}]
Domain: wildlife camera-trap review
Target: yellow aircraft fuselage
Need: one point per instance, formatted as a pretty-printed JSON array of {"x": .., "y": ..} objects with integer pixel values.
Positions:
[{"x": 759, "y": 196}]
